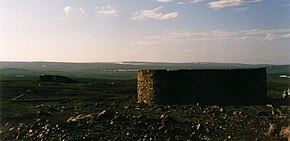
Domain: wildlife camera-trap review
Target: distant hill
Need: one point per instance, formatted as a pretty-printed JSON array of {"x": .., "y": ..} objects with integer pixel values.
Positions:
[
  {"x": 56, "y": 79},
  {"x": 114, "y": 70}
]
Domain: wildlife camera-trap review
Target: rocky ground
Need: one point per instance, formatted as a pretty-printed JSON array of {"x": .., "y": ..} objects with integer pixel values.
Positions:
[{"x": 115, "y": 115}]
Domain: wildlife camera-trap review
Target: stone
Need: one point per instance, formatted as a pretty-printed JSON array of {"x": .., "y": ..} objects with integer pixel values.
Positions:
[
  {"x": 80, "y": 117},
  {"x": 106, "y": 114},
  {"x": 285, "y": 132}
]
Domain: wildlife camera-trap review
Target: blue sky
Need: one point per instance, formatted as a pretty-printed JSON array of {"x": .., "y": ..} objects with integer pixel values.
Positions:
[{"x": 231, "y": 31}]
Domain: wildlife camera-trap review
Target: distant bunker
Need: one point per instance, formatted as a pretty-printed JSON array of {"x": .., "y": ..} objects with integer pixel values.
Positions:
[
  {"x": 56, "y": 79},
  {"x": 208, "y": 87}
]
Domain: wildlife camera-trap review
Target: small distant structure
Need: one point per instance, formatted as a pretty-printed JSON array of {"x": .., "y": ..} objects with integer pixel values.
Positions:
[
  {"x": 285, "y": 76},
  {"x": 56, "y": 79},
  {"x": 286, "y": 94},
  {"x": 209, "y": 86}
]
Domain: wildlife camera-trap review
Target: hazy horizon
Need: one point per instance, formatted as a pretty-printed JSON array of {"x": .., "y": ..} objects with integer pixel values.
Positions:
[
  {"x": 125, "y": 62},
  {"x": 174, "y": 31}
]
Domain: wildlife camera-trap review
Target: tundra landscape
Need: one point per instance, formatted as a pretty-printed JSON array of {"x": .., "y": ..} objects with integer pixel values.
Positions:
[
  {"x": 144, "y": 70},
  {"x": 99, "y": 102}
]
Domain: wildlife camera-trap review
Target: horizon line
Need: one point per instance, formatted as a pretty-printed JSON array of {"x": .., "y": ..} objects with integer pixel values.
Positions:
[{"x": 120, "y": 62}]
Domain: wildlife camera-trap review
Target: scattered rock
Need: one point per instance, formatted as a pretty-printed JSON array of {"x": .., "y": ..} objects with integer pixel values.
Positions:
[
  {"x": 167, "y": 118},
  {"x": 135, "y": 122},
  {"x": 80, "y": 117},
  {"x": 285, "y": 132},
  {"x": 262, "y": 113},
  {"x": 271, "y": 129},
  {"x": 106, "y": 114}
]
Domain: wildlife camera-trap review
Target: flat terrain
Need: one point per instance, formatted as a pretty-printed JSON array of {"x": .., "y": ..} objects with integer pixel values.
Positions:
[
  {"x": 104, "y": 106},
  {"x": 107, "y": 110}
]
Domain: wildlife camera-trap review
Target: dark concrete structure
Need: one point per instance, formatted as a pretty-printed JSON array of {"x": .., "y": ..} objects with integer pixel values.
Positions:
[
  {"x": 56, "y": 78},
  {"x": 223, "y": 87}
]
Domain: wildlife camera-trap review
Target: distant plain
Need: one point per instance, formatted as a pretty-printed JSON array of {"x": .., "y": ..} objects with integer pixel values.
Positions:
[{"x": 111, "y": 87}]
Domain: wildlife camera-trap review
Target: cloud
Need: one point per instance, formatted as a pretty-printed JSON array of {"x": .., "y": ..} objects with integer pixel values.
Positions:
[
  {"x": 153, "y": 14},
  {"x": 82, "y": 11},
  {"x": 219, "y": 35},
  {"x": 230, "y": 3},
  {"x": 284, "y": 5},
  {"x": 239, "y": 9},
  {"x": 107, "y": 11},
  {"x": 196, "y": 1},
  {"x": 68, "y": 10},
  {"x": 285, "y": 36},
  {"x": 270, "y": 36},
  {"x": 181, "y": 3},
  {"x": 164, "y": 1}
]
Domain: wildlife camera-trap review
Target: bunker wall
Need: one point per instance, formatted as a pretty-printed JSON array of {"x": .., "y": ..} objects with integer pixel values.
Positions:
[{"x": 227, "y": 87}]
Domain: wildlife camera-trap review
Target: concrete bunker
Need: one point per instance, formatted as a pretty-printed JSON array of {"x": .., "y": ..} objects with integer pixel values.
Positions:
[{"x": 208, "y": 86}]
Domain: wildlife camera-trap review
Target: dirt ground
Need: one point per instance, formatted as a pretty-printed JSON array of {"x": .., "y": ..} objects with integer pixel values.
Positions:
[{"x": 108, "y": 110}]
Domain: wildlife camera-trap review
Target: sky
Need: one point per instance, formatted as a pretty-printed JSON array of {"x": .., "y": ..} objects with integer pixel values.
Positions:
[{"x": 228, "y": 31}]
